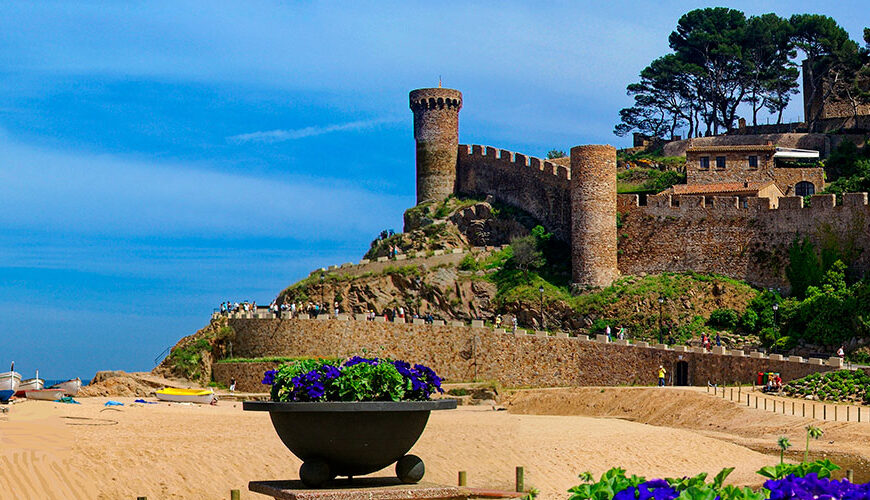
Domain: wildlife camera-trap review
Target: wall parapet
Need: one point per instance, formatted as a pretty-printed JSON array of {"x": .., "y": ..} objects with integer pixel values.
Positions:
[
  {"x": 463, "y": 353},
  {"x": 732, "y": 204},
  {"x": 475, "y": 325},
  {"x": 510, "y": 158}
]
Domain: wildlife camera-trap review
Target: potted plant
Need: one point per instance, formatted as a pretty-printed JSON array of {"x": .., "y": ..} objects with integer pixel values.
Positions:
[{"x": 351, "y": 418}]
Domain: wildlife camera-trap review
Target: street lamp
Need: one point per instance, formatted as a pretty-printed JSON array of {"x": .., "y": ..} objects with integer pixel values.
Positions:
[
  {"x": 661, "y": 303},
  {"x": 541, "y": 289}
]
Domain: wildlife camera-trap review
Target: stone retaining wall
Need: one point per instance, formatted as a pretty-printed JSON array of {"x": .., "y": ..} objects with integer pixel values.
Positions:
[{"x": 463, "y": 353}]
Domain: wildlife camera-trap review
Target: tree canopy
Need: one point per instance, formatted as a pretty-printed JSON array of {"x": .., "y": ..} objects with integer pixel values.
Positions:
[{"x": 722, "y": 59}]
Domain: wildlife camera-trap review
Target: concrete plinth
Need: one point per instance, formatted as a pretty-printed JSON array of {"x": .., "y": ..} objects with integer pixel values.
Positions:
[{"x": 374, "y": 488}]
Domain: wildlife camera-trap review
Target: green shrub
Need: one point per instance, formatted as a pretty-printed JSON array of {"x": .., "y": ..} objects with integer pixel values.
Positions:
[
  {"x": 724, "y": 318},
  {"x": 768, "y": 336},
  {"x": 468, "y": 263},
  {"x": 749, "y": 321}
]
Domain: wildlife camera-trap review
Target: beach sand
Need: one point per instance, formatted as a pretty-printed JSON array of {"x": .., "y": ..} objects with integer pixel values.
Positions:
[{"x": 53, "y": 450}]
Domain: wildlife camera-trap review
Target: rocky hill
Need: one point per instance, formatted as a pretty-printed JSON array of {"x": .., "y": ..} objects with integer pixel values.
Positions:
[
  {"x": 504, "y": 262},
  {"x": 483, "y": 283}
]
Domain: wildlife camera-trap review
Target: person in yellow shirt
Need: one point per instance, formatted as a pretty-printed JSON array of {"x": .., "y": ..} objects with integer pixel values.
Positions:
[{"x": 662, "y": 373}]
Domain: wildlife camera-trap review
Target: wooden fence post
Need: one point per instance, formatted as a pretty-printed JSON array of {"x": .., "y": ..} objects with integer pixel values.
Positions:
[
  {"x": 235, "y": 495},
  {"x": 521, "y": 482},
  {"x": 850, "y": 475},
  {"x": 463, "y": 478}
]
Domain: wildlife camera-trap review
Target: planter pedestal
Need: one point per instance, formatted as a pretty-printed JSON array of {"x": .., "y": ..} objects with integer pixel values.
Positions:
[
  {"x": 373, "y": 488},
  {"x": 352, "y": 439}
]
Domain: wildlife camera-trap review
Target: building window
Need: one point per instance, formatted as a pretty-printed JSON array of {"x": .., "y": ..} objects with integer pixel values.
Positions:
[
  {"x": 720, "y": 162},
  {"x": 753, "y": 161},
  {"x": 705, "y": 162},
  {"x": 804, "y": 188}
]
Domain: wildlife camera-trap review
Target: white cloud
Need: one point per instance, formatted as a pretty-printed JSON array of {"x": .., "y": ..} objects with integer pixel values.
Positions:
[
  {"x": 271, "y": 136},
  {"x": 112, "y": 196}
]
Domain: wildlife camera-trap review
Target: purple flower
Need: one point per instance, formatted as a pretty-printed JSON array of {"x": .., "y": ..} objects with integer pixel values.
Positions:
[
  {"x": 330, "y": 372},
  {"x": 269, "y": 378},
  {"x": 357, "y": 360}
]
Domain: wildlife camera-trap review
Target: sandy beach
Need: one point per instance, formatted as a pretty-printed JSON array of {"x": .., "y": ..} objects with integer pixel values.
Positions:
[{"x": 53, "y": 450}]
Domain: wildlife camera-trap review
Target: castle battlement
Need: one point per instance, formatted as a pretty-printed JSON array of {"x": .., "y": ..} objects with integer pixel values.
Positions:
[
  {"x": 668, "y": 204},
  {"x": 510, "y": 158}
]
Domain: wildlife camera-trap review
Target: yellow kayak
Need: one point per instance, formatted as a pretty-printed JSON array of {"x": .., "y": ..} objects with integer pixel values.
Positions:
[{"x": 176, "y": 395}]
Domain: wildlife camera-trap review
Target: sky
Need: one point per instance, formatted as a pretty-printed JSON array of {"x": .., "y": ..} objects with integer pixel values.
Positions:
[{"x": 158, "y": 158}]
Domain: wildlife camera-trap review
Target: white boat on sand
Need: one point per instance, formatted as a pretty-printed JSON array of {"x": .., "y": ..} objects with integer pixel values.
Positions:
[
  {"x": 45, "y": 394},
  {"x": 30, "y": 384},
  {"x": 70, "y": 387},
  {"x": 9, "y": 382}
]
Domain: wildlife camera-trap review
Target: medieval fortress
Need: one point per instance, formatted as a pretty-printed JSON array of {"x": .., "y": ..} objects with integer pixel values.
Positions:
[{"x": 741, "y": 231}]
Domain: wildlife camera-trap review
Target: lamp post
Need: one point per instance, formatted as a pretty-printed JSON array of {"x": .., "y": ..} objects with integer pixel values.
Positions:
[
  {"x": 541, "y": 289},
  {"x": 661, "y": 303},
  {"x": 775, "y": 319}
]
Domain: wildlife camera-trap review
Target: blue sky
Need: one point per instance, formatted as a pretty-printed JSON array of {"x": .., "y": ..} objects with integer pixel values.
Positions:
[{"x": 158, "y": 158}]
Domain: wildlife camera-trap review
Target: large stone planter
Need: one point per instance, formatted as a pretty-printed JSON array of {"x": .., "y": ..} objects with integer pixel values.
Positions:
[{"x": 352, "y": 438}]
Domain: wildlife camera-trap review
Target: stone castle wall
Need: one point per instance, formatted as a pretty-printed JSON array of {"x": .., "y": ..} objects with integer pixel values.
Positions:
[
  {"x": 677, "y": 234},
  {"x": 537, "y": 186},
  {"x": 463, "y": 353}
]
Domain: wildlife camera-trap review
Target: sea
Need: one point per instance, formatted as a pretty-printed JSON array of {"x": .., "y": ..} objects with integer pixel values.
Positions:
[{"x": 50, "y": 382}]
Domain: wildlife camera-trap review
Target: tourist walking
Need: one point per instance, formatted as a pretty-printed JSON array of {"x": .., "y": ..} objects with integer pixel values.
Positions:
[
  {"x": 607, "y": 332},
  {"x": 662, "y": 373},
  {"x": 232, "y": 385},
  {"x": 718, "y": 340},
  {"x": 498, "y": 321},
  {"x": 841, "y": 353},
  {"x": 514, "y": 323}
]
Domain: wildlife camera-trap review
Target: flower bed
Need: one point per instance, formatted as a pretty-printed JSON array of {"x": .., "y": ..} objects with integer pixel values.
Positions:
[
  {"x": 786, "y": 481},
  {"x": 357, "y": 379}
]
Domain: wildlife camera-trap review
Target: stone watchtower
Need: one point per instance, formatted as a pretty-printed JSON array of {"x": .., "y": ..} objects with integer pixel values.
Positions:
[
  {"x": 436, "y": 130},
  {"x": 593, "y": 215}
]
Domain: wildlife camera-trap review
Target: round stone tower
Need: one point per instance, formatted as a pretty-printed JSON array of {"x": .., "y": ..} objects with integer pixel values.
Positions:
[
  {"x": 436, "y": 130},
  {"x": 593, "y": 215}
]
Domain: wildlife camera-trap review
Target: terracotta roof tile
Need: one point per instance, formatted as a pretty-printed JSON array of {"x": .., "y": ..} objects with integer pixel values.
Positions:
[
  {"x": 725, "y": 149},
  {"x": 718, "y": 187}
]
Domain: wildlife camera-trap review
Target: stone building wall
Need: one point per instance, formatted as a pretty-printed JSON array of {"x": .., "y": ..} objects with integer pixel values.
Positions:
[
  {"x": 786, "y": 178},
  {"x": 748, "y": 243},
  {"x": 537, "y": 186},
  {"x": 462, "y": 353},
  {"x": 736, "y": 168},
  {"x": 832, "y": 107}
]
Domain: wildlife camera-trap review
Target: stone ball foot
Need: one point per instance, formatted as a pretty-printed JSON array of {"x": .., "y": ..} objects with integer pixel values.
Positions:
[
  {"x": 314, "y": 473},
  {"x": 410, "y": 469}
]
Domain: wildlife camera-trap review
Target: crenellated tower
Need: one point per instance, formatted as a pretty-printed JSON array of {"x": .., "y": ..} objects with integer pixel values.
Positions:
[
  {"x": 436, "y": 130},
  {"x": 593, "y": 215}
]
